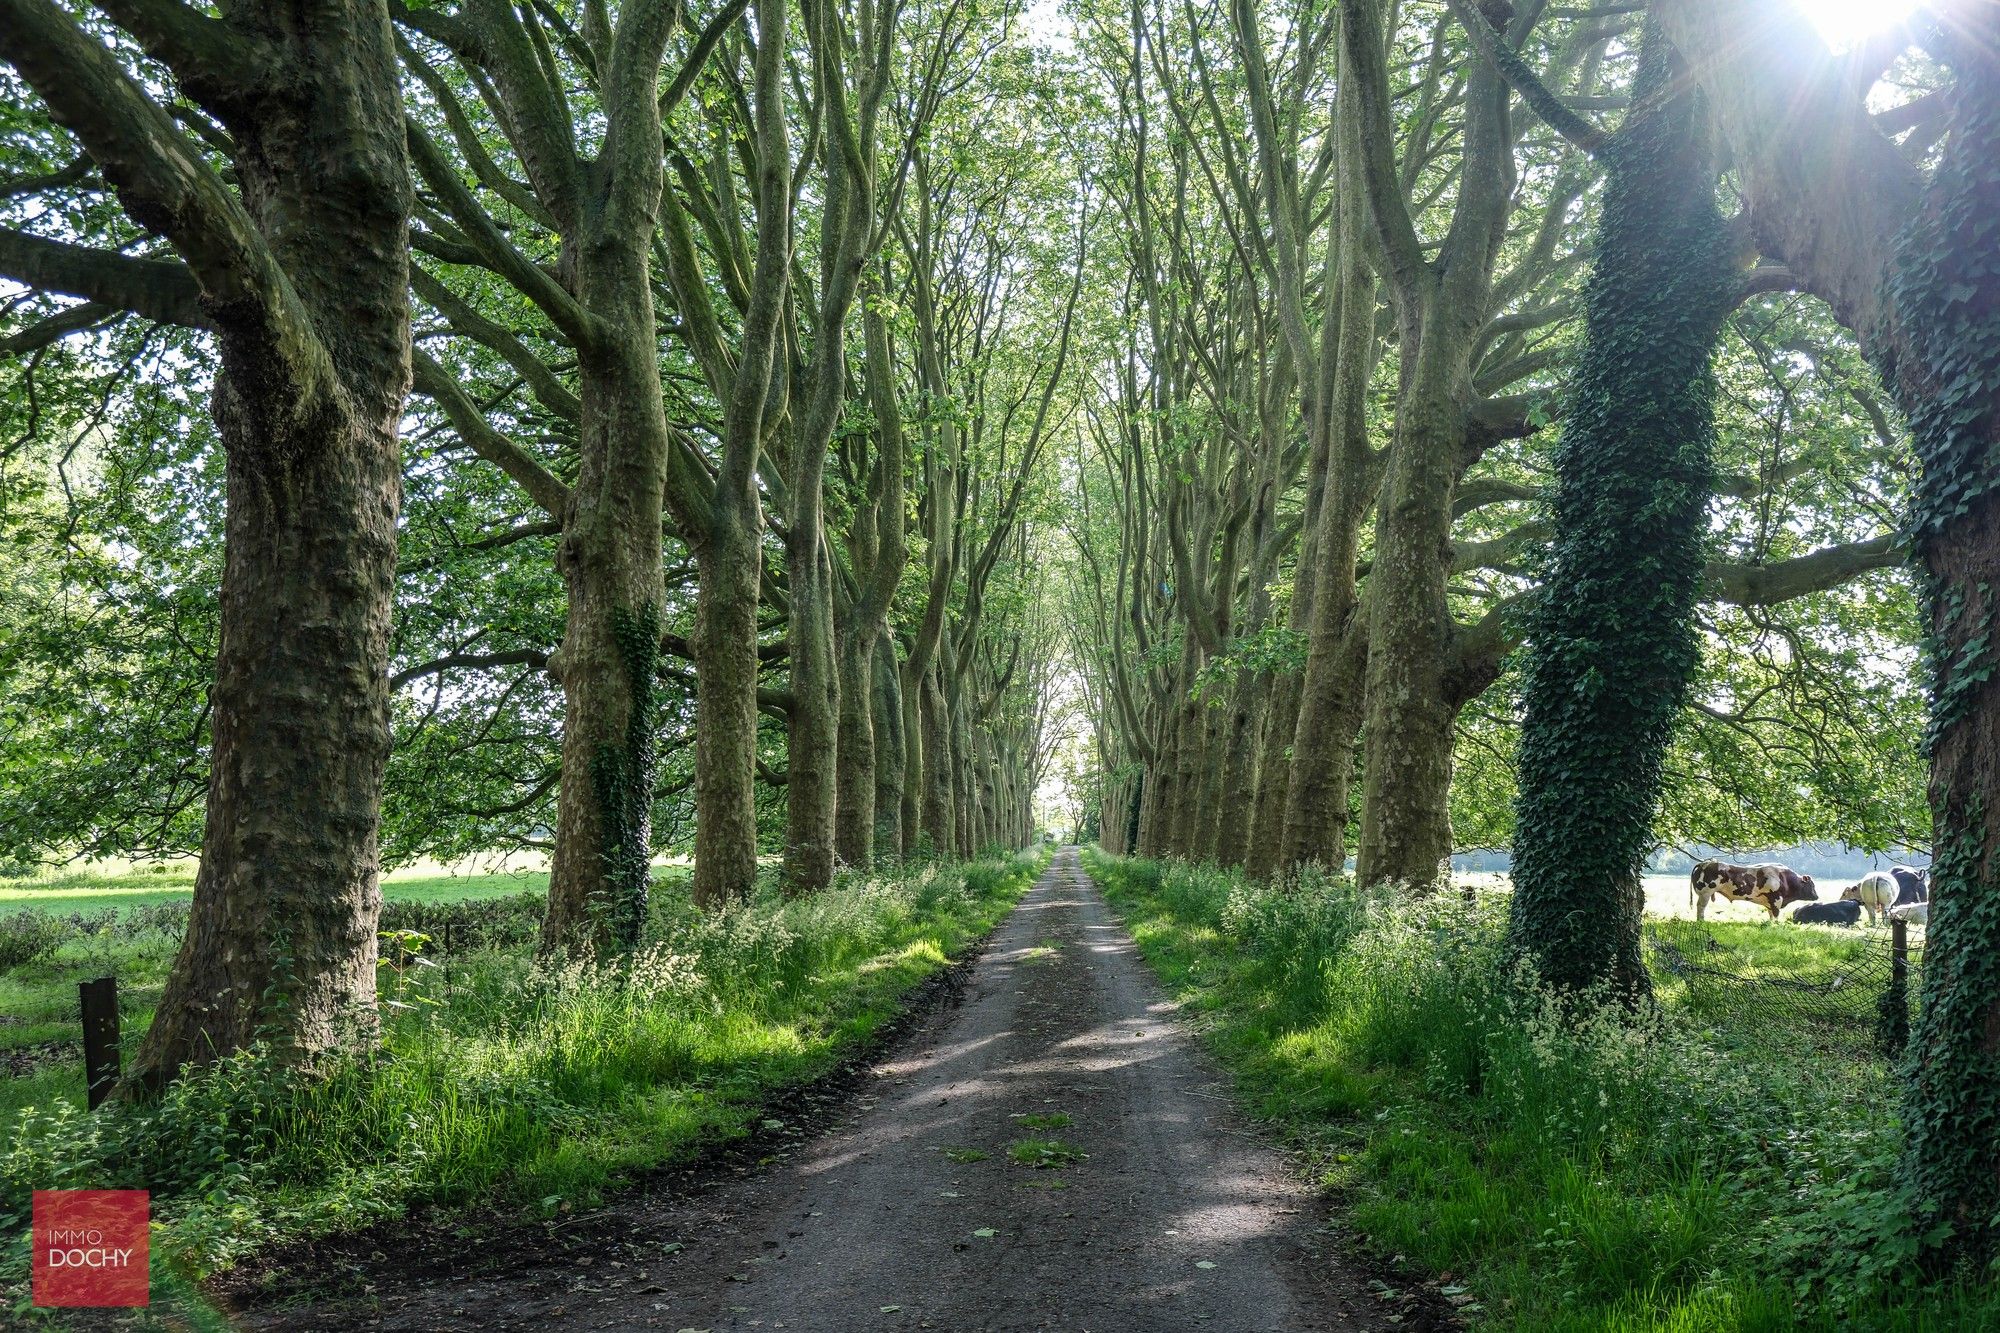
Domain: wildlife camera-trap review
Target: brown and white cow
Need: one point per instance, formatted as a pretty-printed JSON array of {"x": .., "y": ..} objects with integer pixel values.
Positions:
[{"x": 1769, "y": 886}]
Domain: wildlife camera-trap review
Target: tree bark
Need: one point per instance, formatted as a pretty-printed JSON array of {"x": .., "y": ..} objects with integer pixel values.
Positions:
[
  {"x": 610, "y": 558},
  {"x": 854, "y": 802},
  {"x": 1237, "y": 773},
  {"x": 1405, "y": 810},
  {"x": 1944, "y": 356},
  {"x": 891, "y": 747},
  {"x": 725, "y": 757},
  {"x": 304, "y": 274},
  {"x": 939, "y": 800}
]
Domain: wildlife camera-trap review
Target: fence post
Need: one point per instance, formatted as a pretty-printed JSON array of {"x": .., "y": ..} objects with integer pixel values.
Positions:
[
  {"x": 1892, "y": 1020},
  {"x": 99, "y": 1002}
]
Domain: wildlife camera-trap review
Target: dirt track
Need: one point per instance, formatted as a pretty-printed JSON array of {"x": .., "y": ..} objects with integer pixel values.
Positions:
[{"x": 911, "y": 1215}]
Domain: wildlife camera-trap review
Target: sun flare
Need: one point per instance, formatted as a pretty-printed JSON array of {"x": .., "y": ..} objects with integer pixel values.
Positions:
[{"x": 1844, "y": 23}]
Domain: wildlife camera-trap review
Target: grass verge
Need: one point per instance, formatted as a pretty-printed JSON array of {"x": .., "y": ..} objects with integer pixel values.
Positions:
[
  {"x": 1570, "y": 1172},
  {"x": 504, "y": 1081}
]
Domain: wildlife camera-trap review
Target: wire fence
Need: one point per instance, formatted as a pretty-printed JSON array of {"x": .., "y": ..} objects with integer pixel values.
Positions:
[{"x": 1864, "y": 984}]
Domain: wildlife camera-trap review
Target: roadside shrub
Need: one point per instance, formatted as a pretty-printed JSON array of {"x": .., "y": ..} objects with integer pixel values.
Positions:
[
  {"x": 467, "y": 924},
  {"x": 30, "y": 937}
]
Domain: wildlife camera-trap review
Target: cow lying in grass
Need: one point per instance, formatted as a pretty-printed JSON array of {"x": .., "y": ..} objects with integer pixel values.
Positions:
[
  {"x": 1769, "y": 886},
  {"x": 1846, "y": 912}
]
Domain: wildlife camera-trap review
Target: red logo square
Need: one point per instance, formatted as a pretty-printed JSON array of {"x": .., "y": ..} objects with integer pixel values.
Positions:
[{"x": 91, "y": 1247}]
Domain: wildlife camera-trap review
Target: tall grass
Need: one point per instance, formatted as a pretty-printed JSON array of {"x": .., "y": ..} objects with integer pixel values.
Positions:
[
  {"x": 502, "y": 1078},
  {"x": 1577, "y": 1167}
]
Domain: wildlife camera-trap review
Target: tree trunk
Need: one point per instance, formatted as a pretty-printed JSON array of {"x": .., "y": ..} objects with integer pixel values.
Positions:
[
  {"x": 890, "y": 749},
  {"x": 854, "y": 801},
  {"x": 939, "y": 801},
  {"x": 610, "y": 558},
  {"x": 1154, "y": 838},
  {"x": 1945, "y": 299},
  {"x": 1263, "y": 855},
  {"x": 725, "y": 750},
  {"x": 281, "y": 942},
  {"x": 1238, "y": 772},
  {"x": 961, "y": 777},
  {"x": 1612, "y": 642},
  {"x": 600, "y": 875},
  {"x": 1316, "y": 795},
  {"x": 812, "y": 737},
  {"x": 1405, "y": 812},
  {"x": 1908, "y": 267}
]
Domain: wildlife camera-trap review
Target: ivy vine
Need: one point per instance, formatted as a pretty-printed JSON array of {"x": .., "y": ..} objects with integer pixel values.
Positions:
[
  {"x": 622, "y": 776},
  {"x": 1942, "y": 358},
  {"x": 1611, "y": 640}
]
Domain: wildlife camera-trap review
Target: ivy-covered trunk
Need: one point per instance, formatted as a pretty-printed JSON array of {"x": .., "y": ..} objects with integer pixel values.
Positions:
[
  {"x": 1944, "y": 362},
  {"x": 610, "y": 559},
  {"x": 1612, "y": 641},
  {"x": 600, "y": 875}
]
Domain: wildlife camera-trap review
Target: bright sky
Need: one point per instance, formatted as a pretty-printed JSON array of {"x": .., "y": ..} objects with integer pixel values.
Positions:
[{"x": 1842, "y": 23}]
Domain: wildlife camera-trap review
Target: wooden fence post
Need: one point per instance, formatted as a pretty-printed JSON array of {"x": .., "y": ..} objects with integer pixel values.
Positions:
[
  {"x": 99, "y": 1001},
  {"x": 1892, "y": 1018}
]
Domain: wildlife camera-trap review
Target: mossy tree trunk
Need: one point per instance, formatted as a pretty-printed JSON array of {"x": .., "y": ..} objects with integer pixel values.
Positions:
[
  {"x": 1612, "y": 644},
  {"x": 299, "y": 264},
  {"x": 1945, "y": 365}
]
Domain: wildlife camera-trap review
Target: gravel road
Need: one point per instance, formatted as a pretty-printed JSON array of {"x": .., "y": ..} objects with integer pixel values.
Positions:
[{"x": 1158, "y": 1208}]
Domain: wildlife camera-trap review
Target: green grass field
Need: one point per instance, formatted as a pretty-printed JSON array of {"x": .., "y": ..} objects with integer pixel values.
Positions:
[
  {"x": 40, "y": 1027},
  {"x": 1718, "y": 1169},
  {"x": 501, "y": 1080},
  {"x": 94, "y": 891}
]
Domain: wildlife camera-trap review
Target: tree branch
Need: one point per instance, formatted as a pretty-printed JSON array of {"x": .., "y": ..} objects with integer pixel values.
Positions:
[
  {"x": 704, "y": 46},
  {"x": 543, "y": 486},
  {"x": 1829, "y": 567},
  {"x": 1504, "y": 58},
  {"x": 157, "y": 289},
  {"x": 468, "y": 322},
  {"x": 495, "y": 250},
  {"x": 164, "y": 185},
  {"x": 527, "y": 657},
  {"x": 216, "y": 62}
]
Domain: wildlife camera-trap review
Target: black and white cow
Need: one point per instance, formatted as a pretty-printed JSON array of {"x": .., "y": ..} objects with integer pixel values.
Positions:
[{"x": 1770, "y": 886}]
